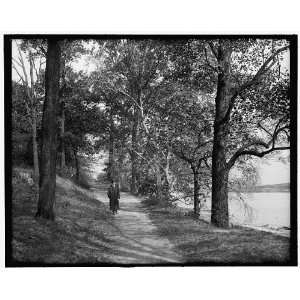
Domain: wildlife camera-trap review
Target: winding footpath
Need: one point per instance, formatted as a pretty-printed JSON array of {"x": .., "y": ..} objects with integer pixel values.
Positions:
[{"x": 137, "y": 238}]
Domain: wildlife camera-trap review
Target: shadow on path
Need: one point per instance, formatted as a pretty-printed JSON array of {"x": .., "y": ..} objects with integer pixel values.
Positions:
[{"x": 135, "y": 240}]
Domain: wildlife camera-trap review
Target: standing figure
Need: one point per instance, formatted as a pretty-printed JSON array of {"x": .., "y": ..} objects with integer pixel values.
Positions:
[{"x": 113, "y": 194}]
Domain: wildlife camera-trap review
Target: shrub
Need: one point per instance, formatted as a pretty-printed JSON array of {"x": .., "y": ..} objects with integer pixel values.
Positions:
[{"x": 83, "y": 181}]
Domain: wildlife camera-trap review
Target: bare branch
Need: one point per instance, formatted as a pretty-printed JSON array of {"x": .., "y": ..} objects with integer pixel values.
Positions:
[
  {"x": 266, "y": 66},
  {"x": 212, "y": 48},
  {"x": 22, "y": 64},
  {"x": 43, "y": 50},
  {"x": 264, "y": 129},
  {"x": 181, "y": 155},
  {"x": 244, "y": 151},
  {"x": 207, "y": 61},
  {"x": 261, "y": 154},
  {"x": 206, "y": 163},
  {"x": 15, "y": 61},
  {"x": 21, "y": 77}
]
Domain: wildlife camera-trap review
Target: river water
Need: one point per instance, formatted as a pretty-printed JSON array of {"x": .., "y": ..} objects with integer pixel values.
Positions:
[{"x": 263, "y": 211}]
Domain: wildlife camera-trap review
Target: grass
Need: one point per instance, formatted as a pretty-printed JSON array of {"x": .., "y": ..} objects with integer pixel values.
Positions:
[
  {"x": 79, "y": 234},
  {"x": 201, "y": 243},
  {"x": 83, "y": 232}
]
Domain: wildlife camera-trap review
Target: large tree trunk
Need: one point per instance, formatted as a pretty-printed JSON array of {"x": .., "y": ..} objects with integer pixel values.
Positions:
[
  {"x": 62, "y": 112},
  {"x": 49, "y": 134},
  {"x": 36, "y": 171},
  {"x": 134, "y": 156},
  {"x": 219, "y": 214},
  {"x": 196, "y": 193},
  {"x": 62, "y": 135}
]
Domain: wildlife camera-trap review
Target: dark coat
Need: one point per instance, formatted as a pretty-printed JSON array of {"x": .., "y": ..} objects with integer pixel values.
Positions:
[{"x": 113, "y": 194}]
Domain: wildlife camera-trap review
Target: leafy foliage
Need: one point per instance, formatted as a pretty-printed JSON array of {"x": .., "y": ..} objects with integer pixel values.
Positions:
[{"x": 152, "y": 104}]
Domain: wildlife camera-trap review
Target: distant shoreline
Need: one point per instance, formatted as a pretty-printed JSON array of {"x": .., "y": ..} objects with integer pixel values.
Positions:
[{"x": 268, "y": 188}]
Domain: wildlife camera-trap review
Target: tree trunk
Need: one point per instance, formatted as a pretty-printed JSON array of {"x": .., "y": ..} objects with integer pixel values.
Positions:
[
  {"x": 121, "y": 176},
  {"x": 168, "y": 174},
  {"x": 77, "y": 174},
  {"x": 62, "y": 135},
  {"x": 219, "y": 214},
  {"x": 36, "y": 171},
  {"x": 158, "y": 183},
  {"x": 49, "y": 133},
  {"x": 134, "y": 156},
  {"x": 111, "y": 157},
  {"x": 196, "y": 194}
]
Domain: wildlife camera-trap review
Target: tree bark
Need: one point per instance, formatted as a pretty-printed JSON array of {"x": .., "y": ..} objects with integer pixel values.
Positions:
[
  {"x": 49, "y": 133},
  {"x": 158, "y": 183},
  {"x": 36, "y": 171},
  {"x": 77, "y": 174},
  {"x": 196, "y": 193},
  {"x": 62, "y": 135},
  {"x": 168, "y": 174},
  {"x": 111, "y": 157},
  {"x": 122, "y": 178},
  {"x": 134, "y": 156},
  {"x": 219, "y": 213}
]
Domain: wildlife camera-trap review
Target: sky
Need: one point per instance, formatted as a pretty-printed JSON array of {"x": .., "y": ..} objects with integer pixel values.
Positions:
[{"x": 15, "y": 55}]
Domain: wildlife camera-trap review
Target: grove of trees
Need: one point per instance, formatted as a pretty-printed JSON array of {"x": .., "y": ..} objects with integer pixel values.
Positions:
[{"x": 174, "y": 115}]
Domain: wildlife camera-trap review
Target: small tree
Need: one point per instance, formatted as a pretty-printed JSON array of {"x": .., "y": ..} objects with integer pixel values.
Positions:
[
  {"x": 28, "y": 65},
  {"x": 192, "y": 138}
]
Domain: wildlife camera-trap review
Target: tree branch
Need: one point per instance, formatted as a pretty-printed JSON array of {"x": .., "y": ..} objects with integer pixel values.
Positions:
[
  {"x": 207, "y": 61},
  {"x": 43, "y": 50},
  {"x": 261, "y": 154},
  {"x": 212, "y": 48},
  {"x": 243, "y": 151},
  {"x": 264, "y": 129},
  {"x": 181, "y": 155},
  {"x": 262, "y": 70}
]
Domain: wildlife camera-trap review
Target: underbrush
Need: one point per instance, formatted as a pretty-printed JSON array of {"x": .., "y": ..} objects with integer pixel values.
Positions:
[
  {"x": 152, "y": 200},
  {"x": 82, "y": 181},
  {"x": 68, "y": 172}
]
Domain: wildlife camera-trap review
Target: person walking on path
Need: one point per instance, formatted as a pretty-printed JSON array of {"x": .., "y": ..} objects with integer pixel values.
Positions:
[{"x": 113, "y": 194}]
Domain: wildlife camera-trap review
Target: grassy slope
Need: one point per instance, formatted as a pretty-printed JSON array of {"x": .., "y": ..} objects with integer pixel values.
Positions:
[
  {"x": 200, "y": 242},
  {"x": 79, "y": 234},
  {"x": 83, "y": 227}
]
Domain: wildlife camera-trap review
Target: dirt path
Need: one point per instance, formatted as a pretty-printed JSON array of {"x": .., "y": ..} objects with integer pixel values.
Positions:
[{"x": 136, "y": 240}]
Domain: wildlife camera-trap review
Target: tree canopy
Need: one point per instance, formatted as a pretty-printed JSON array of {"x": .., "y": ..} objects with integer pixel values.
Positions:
[{"x": 175, "y": 115}]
